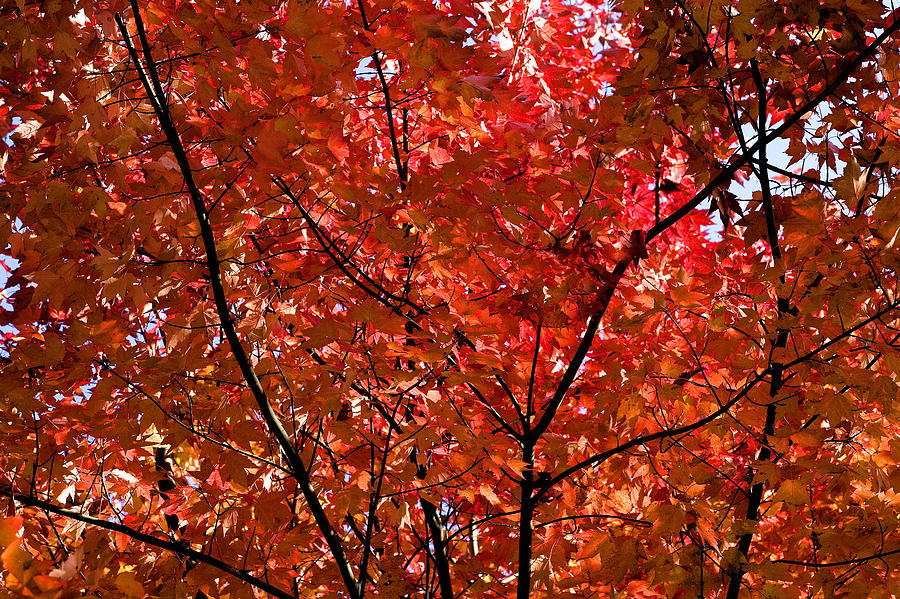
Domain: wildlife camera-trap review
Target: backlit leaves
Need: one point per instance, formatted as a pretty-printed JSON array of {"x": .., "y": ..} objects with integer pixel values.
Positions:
[{"x": 513, "y": 260}]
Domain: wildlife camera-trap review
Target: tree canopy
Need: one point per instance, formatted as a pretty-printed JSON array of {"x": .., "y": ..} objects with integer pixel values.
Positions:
[{"x": 449, "y": 299}]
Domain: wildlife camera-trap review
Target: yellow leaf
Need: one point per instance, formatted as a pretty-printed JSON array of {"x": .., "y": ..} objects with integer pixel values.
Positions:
[
  {"x": 489, "y": 494},
  {"x": 793, "y": 492},
  {"x": 742, "y": 527},
  {"x": 128, "y": 584},
  {"x": 669, "y": 519},
  {"x": 172, "y": 589}
]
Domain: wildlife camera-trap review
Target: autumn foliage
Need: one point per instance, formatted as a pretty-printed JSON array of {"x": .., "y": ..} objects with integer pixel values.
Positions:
[{"x": 449, "y": 299}]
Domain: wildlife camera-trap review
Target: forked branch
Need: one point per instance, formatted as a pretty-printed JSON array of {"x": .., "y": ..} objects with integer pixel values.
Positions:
[{"x": 154, "y": 90}]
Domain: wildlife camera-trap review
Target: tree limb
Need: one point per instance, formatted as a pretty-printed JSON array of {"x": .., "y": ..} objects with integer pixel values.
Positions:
[
  {"x": 182, "y": 549},
  {"x": 154, "y": 90}
]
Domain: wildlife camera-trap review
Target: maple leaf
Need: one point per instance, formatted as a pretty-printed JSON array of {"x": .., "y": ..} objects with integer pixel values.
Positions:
[
  {"x": 638, "y": 246},
  {"x": 726, "y": 203},
  {"x": 338, "y": 147}
]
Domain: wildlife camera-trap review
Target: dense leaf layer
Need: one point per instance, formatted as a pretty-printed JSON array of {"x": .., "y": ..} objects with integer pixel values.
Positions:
[{"x": 417, "y": 299}]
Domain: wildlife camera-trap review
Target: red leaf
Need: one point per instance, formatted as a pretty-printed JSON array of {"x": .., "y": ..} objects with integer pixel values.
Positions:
[
  {"x": 638, "y": 246},
  {"x": 338, "y": 147}
]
